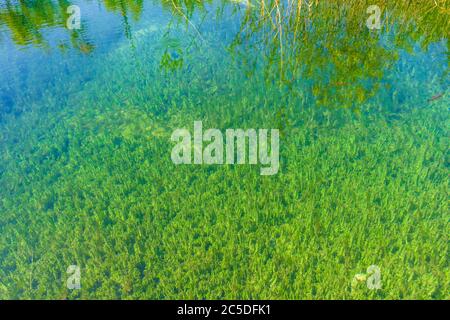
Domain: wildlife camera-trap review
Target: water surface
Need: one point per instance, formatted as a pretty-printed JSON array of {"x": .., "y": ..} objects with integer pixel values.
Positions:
[{"x": 86, "y": 176}]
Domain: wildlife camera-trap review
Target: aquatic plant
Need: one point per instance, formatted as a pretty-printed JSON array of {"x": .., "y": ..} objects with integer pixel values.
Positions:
[{"x": 87, "y": 178}]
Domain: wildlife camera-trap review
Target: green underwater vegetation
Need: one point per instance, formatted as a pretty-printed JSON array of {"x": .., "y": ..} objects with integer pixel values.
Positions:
[{"x": 86, "y": 176}]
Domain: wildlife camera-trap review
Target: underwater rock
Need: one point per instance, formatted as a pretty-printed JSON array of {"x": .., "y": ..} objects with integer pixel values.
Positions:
[
  {"x": 139, "y": 35},
  {"x": 145, "y": 31},
  {"x": 245, "y": 3}
]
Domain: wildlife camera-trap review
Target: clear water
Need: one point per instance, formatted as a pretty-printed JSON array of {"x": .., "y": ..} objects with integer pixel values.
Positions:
[{"x": 86, "y": 118}]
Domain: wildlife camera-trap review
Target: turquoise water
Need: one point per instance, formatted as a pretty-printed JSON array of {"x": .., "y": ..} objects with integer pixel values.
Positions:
[{"x": 86, "y": 119}]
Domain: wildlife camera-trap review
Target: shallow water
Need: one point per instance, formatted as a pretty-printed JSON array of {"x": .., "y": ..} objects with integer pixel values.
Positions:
[{"x": 86, "y": 118}]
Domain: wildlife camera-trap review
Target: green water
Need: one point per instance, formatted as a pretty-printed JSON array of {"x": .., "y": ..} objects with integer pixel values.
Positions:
[{"x": 86, "y": 176}]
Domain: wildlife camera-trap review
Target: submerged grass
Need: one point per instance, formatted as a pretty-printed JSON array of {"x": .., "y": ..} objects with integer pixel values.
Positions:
[{"x": 91, "y": 183}]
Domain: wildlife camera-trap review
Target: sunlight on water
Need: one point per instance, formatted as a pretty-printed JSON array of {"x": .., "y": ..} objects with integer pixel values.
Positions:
[{"x": 89, "y": 190}]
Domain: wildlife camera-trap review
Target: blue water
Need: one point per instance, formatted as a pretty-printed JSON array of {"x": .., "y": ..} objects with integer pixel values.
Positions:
[{"x": 86, "y": 118}]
